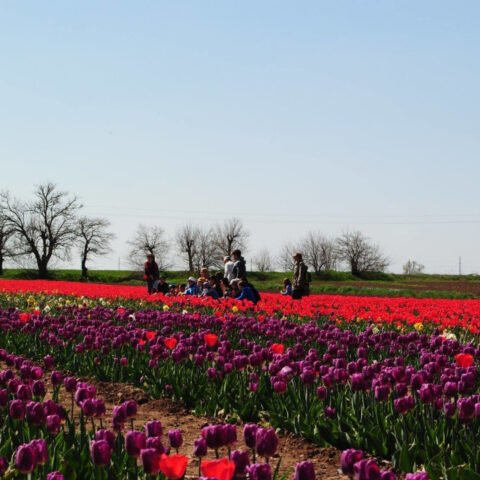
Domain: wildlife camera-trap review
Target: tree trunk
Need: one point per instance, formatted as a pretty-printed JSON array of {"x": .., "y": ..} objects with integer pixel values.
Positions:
[
  {"x": 42, "y": 268},
  {"x": 1, "y": 265},
  {"x": 84, "y": 268},
  {"x": 190, "y": 263}
]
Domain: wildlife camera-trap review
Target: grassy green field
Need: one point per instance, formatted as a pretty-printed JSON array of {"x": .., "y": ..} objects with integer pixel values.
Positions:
[{"x": 343, "y": 283}]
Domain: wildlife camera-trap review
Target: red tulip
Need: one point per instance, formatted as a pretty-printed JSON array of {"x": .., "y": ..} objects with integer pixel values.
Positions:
[
  {"x": 278, "y": 348},
  {"x": 173, "y": 466},
  {"x": 210, "y": 339},
  {"x": 222, "y": 469},
  {"x": 170, "y": 343},
  {"x": 24, "y": 317},
  {"x": 464, "y": 360},
  {"x": 150, "y": 335}
]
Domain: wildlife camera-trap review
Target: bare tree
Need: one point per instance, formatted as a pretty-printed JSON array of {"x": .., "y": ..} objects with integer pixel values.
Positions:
[
  {"x": 93, "y": 239},
  {"x": 357, "y": 251},
  {"x": 149, "y": 240},
  {"x": 206, "y": 250},
  {"x": 413, "y": 268},
  {"x": 285, "y": 257},
  {"x": 229, "y": 236},
  {"x": 45, "y": 227},
  {"x": 6, "y": 237},
  {"x": 263, "y": 261},
  {"x": 319, "y": 252},
  {"x": 186, "y": 239}
]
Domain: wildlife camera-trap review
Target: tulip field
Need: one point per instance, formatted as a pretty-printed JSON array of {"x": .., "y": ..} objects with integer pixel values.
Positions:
[{"x": 392, "y": 383}]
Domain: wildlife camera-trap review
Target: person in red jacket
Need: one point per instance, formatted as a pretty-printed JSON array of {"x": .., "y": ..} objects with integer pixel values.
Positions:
[{"x": 151, "y": 273}]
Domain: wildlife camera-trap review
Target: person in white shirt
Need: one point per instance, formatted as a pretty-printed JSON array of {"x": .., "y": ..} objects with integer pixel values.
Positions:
[{"x": 228, "y": 274}]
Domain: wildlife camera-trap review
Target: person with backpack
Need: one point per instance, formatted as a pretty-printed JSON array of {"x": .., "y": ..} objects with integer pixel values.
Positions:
[{"x": 301, "y": 278}]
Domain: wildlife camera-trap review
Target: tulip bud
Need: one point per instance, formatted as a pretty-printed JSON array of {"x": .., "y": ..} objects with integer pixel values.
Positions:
[
  {"x": 260, "y": 471},
  {"x": 304, "y": 471},
  {"x": 266, "y": 442},
  {"x": 249, "y": 434},
  {"x": 100, "y": 452},
  {"x": 55, "y": 476},
  {"x": 150, "y": 461},
  {"x": 175, "y": 438},
  {"x": 348, "y": 458},
  {"x": 134, "y": 443},
  {"x": 200, "y": 449},
  {"x": 154, "y": 428},
  {"x": 25, "y": 459}
]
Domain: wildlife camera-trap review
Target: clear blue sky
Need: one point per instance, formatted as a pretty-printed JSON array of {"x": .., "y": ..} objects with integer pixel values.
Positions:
[{"x": 294, "y": 116}]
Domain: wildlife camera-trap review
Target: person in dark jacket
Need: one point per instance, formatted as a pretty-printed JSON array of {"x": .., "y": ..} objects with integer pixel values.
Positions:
[
  {"x": 239, "y": 265},
  {"x": 246, "y": 292},
  {"x": 151, "y": 272},
  {"x": 162, "y": 286}
]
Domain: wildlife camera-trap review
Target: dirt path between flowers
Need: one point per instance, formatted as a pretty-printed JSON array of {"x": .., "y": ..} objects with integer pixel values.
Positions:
[{"x": 173, "y": 415}]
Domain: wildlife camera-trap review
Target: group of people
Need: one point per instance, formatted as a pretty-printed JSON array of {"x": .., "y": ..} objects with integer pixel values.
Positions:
[{"x": 232, "y": 282}]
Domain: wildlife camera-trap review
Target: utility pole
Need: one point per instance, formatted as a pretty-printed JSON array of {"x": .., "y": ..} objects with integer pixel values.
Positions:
[{"x": 460, "y": 266}]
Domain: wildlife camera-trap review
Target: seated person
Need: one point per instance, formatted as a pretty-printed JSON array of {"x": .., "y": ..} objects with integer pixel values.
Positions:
[
  {"x": 181, "y": 288},
  {"x": 162, "y": 286},
  {"x": 172, "y": 290},
  {"x": 246, "y": 293},
  {"x": 209, "y": 291},
  {"x": 287, "y": 287},
  {"x": 192, "y": 288},
  {"x": 234, "y": 290}
]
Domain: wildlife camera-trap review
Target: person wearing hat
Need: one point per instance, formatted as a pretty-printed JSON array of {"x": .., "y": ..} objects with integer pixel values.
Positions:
[
  {"x": 192, "y": 288},
  {"x": 151, "y": 273},
  {"x": 228, "y": 268},
  {"x": 300, "y": 277}
]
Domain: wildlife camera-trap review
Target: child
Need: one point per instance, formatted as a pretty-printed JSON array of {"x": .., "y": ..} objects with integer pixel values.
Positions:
[{"x": 287, "y": 287}]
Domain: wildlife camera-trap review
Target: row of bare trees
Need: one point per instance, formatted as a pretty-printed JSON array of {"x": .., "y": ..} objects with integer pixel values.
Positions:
[
  {"x": 352, "y": 249},
  {"x": 50, "y": 225}
]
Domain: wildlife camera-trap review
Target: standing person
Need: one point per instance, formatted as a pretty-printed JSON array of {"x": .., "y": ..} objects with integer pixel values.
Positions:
[
  {"x": 228, "y": 268},
  {"x": 151, "y": 272},
  {"x": 239, "y": 266},
  {"x": 300, "y": 277}
]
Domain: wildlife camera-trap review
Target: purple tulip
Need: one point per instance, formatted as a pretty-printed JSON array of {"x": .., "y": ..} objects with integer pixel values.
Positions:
[
  {"x": 366, "y": 470},
  {"x": 154, "y": 428},
  {"x": 134, "y": 442},
  {"x": 260, "y": 471},
  {"x": 41, "y": 449},
  {"x": 100, "y": 452},
  {"x": 466, "y": 408},
  {"x": 35, "y": 414},
  {"x": 403, "y": 404},
  {"x": 150, "y": 461},
  {"x": 417, "y": 476},
  {"x": 53, "y": 424},
  {"x": 26, "y": 458},
  {"x": 348, "y": 458},
  {"x": 322, "y": 393},
  {"x": 266, "y": 442},
  {"x": 3, "y": 398},
  {"x": 70, "y": 384},
  {"x": 304, "y": 471},
  {"x": 388, "y": 475},
  {"x": 3, "y": 465},
  {"x": 156, "y": 443},
  {"x": 131, "y": 408},
  {"x": 201, "y": 448},
  {"x": 17, "y": 409},
  {"x": 55, "y": 476},
  {"x": 175, "y": 438},
  {"x": 241, "y": 460},
  {"x": 106, "y": 435},
  {"x": 56, "y": 378},
  {"x": 249, "y": 434}
]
